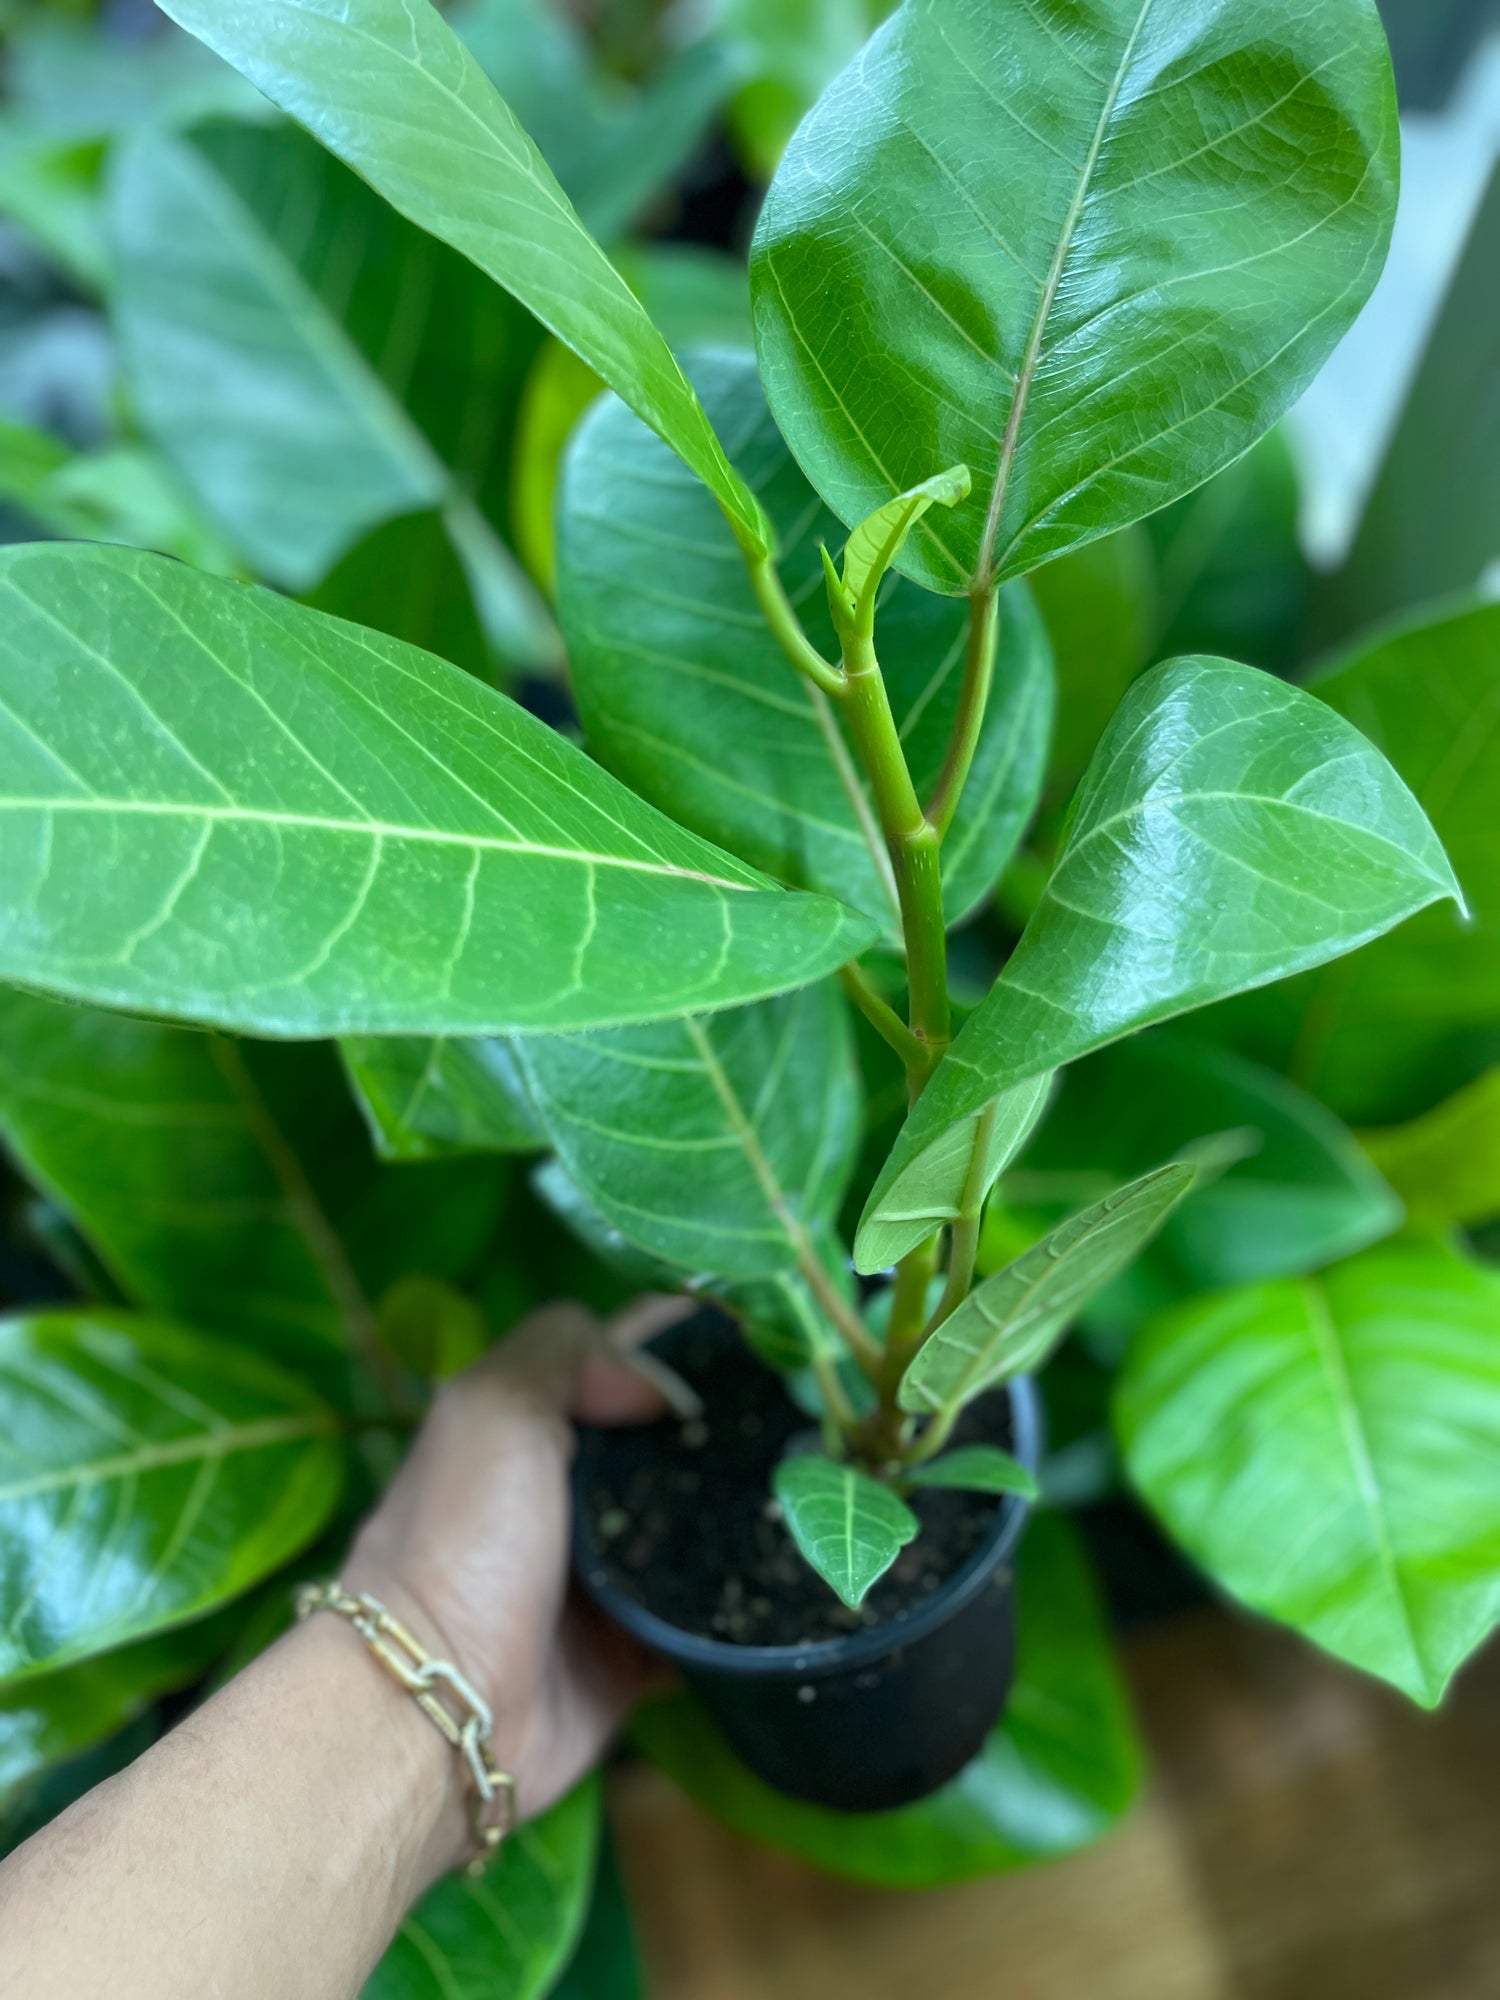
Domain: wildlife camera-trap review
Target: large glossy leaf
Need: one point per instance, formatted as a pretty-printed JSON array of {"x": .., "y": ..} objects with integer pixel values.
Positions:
[
  {"x": 265, "y": 302},
  {"x": 1009, "y": 1324},
  {"x": 1057, "y": 1772},
  {"x": 222, "y": 807},
  {"x": 508, "y": 1935},
  {"x": 1230, "y": 830},
  {"x": 1432, "y": 522},
  {"x": 146, "y": 1475},
  {"x": 1327, "y": 1450},
  {"x": 228, "y": 1184},
  {"x": 427, "y": 1098},
  {"x": 1304, "y": 1195},
  {"x": 1387, "y": 1032},
  {"x": 1090, "y": 251},
  {"x": 389, "y": 88},
  {"x": 1446, "y": 1165},
  {"x": 686, "y": 694},
  {"x": 847, "y": 1525},
  {"x": 722, "y": 1144}
]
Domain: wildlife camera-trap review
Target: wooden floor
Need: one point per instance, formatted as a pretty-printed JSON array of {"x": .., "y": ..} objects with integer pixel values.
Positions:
[{"x": 1306, "y": 1836}]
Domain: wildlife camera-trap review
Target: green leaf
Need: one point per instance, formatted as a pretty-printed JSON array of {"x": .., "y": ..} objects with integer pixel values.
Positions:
[
  {"x": 588, "y": 1225},
  {"x": 260, "y": 291},
  {"x": 1327, "y": 1450},
  {"x": 405, "y": 579},
  {"x": 388, "y": 87},
  {"x": 606, "y": 1965},
  {"x": 1432, "y": 522},
  {"x": 1305, "y": 1196},
  {"x": 1390, "y": 1031},
  {"x": 1057, "y": 1772},
  {"x": 687, "y": 696},
  {"x": 426, "y": 1099},
  {"x": 508, "y": 1935},
  {"x": 780, "y": 1316},
  {"x": 1230, "y": 831},
  {"x": 147, "y": 1474},
  {"x": 225, "y": 808},
  {"x": 1011, "y": 1322},
  {"x": 721, "y": 1145},
  {"x": 881, "y": 536},
  {"x": 49, "y": 1718},
  {"x": 1446, "y": 1166},
  {"x": 924, "y": 1193},
  {"x": 849, "y": 1527},
  {"x": 1099, "y": 606},
  {"x": 977, "y": 1468},
  {"x": 1091, "y": 254},
  {"x": 431, "y": 1328}
]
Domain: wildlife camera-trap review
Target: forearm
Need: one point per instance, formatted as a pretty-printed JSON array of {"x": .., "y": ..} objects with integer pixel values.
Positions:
[{"x": 270, "y": 1845}]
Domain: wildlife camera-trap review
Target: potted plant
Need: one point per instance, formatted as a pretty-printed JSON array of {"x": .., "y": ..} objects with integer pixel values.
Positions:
[{"x": 1026, "y": 275}]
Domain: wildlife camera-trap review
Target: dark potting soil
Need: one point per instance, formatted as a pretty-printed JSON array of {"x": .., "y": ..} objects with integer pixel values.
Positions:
[{"x": 684, "y": 1517}]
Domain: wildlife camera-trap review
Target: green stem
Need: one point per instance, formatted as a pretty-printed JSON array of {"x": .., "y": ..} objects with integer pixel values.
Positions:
[
  {"x": 973, "y": 699},
  {"x": 913, "y": 842},
  {"x": 883, "y": 1018},
  {"x": 969, "y": 1221},
  {"x": 781, "y": 616}
]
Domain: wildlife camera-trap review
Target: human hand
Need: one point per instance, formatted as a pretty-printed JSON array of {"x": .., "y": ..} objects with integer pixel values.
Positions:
[{"x": 470, "y": 1546}]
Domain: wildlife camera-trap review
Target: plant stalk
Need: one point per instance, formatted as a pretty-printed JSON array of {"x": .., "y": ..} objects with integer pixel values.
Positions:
[
  {"x": 781, "y": 616},
  {"x": 973, "y": 700}
]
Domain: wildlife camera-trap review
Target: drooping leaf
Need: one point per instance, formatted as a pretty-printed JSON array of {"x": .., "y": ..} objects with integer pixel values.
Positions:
[
  {"x": 266, "y": 302},
  {"x": 1431, "y": 526},
  {"x": 225, "y": 808},
  {"x": 1305, "y": 1195},
  {"x": 698, "y": 297},
  {"x": 427, "y": 1098},
  {"x": 388, "y": 87},
  {"x": 722, "y": 1144},
  {"x": 1058, "y": 1771},
  {"x": 924, "y": 1193},
  {"x": 1446, "y": 1165},
  {"x": 977, "y": 1468},
  {"x": 1010, "y": 1323},
  {"x": 849, "y": 1527},
  {"x": 52, "y": 1717},
  {"x": 1391, "y": 1030},
  {"x": 1229, "y": 831},
  {"x": 1091, "y": 253},
  {"x": 1326, "y": 1449},
  {"x": 508, "y": 1935},
  {"x": 685, "y": 693},
  {"x": 147, "y": 1474}
]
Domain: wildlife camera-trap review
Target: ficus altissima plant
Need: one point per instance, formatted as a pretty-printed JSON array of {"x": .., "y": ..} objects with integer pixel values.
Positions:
[{"x": 1028, "y": 273}]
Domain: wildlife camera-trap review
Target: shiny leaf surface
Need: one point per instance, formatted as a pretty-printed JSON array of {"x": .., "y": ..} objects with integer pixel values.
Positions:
[
  {"x": 508, "y": 1935},
  {"x": 1058, "y": 1771},
  {"x": 721, "y": 1144},
  {"x": 1327, "y": 1449},
  {"x": 1229, "y": 831},
  {"x": 1008, "y": 1325},
  {"x": 685, "y": 693},
  {"x": 847, "y": 1525},
  {"x": 388, "y": 87},
  {"x": 222, "y": 807},
  {"x": 146, "y": 1475},
  {"x": 1091, "y": 252}
]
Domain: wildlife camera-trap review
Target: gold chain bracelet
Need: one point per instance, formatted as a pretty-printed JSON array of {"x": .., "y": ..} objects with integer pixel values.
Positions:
[{"x": 467, "y": 1725}]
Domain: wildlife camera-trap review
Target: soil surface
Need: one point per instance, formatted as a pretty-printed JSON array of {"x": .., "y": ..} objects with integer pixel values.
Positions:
[{"x": 685, "y": 1523}]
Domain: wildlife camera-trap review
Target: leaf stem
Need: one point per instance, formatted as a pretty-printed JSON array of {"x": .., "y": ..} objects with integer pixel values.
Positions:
[
  {"x": 884, "y": 1019},
  {"x": 964, "y": 1246},
  {"x": 781, "y": 616},
  {"x": 973, "y": 699}
]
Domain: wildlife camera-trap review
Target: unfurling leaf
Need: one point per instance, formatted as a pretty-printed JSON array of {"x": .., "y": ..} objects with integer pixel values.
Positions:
[
  {"x": 881, "y": 536},
  {"x": 848, "y": 1526},
  {"x": 1012, "y": 1322}
]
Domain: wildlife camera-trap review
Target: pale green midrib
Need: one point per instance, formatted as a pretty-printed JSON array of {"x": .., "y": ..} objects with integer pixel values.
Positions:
[
  {"x": 370, "y": 829},
  {"x": 1010, "y": 444},
  {"x": 1334, "y": 1366},
  {"x": 196, "y": 1446}
]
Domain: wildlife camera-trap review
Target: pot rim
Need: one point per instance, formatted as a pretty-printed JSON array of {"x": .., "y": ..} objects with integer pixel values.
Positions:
[{"x": 853, "y": 1649}]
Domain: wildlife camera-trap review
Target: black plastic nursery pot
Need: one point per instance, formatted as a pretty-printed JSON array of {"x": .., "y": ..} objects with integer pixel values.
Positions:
[{"x": 677, "y": 1540}]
